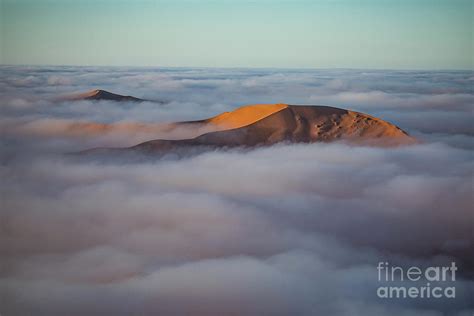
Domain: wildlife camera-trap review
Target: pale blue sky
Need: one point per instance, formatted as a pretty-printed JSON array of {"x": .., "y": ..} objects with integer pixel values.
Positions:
[{"x": 407, "y": 34}]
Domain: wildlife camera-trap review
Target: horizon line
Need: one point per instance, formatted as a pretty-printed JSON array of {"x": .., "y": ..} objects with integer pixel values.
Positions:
[{"x": 238, "y": 67}]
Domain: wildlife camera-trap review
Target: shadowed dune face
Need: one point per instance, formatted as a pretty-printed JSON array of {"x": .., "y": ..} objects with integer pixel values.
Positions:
[
  {"x": 327, "y": 123},
  {"x": 271, "y": 124}
]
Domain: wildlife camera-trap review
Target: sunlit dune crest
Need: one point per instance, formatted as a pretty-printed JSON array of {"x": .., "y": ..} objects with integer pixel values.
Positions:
[{"x": 244, "y": 115}]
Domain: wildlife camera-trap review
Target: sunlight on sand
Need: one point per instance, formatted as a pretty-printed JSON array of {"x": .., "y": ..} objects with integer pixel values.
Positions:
[{"x": 245, "y": 115}]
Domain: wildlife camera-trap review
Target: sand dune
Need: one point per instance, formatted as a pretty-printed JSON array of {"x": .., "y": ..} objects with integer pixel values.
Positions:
[
  {"x": 311, "y": 124},
  {"x": 263, "y": 125}
]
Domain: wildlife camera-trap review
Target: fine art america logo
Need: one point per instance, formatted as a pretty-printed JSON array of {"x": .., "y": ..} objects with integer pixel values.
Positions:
[{"x": 436, "y": 282}]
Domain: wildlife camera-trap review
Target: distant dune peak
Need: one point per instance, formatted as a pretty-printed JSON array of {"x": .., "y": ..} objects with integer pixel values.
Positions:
[{"x": 99, "y": 94}]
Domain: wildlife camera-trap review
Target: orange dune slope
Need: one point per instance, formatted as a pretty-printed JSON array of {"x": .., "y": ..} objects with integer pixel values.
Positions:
[
  {"x": 244, "y": 115},
  {"x": 100, "y": 95}
]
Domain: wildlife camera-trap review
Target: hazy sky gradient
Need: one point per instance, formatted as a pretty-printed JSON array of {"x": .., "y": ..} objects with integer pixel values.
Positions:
[{"x": 410, "y": 34}]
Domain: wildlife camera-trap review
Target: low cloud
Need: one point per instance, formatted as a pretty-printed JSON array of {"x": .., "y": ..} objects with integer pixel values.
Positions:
[{"x": 285, "y": 230}]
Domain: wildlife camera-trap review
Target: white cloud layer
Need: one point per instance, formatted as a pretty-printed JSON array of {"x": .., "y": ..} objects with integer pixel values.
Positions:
[{"x": 285, "y": 230}]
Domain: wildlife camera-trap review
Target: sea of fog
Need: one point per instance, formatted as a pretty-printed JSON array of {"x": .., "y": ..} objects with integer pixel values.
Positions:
[{"x": 284, "y": 230}]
